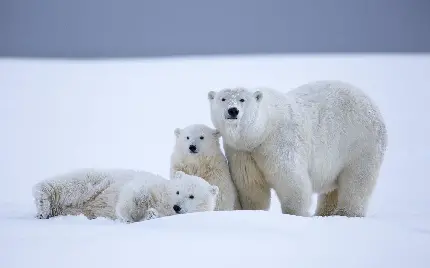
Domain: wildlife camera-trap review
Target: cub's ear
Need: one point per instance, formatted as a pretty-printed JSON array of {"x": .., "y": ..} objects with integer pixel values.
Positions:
[
  {"x": 211, "y": 95},
  {"x": 177, "y": 132},
  {"x": 216, "y": 133},
  {"x": 178, "y": 175},
  {"x": 258, "y": 95},
  {"x": 214, "y": 190}
]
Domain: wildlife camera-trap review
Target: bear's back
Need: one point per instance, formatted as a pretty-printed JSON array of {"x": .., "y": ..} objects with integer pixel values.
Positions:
[{"x": 343, "y": 120}]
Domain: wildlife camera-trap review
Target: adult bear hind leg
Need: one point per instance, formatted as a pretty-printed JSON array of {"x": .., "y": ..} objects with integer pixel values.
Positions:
[{"x": 356, "y": 184}]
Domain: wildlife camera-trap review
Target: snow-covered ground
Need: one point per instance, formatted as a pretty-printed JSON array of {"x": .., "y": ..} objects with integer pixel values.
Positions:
[{"x": 60, "y": 115}]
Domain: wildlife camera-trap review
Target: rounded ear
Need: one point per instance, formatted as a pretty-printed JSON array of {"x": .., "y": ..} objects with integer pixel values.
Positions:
[
  {"x": 178, "y": 174},
  {"x": 177, "y": 132},
  {"x": 216, "y": 133},
  {"x": 211, "y": 95},
  {"x": 214, "y": 190},
  {"x": 258, "y": 95}
]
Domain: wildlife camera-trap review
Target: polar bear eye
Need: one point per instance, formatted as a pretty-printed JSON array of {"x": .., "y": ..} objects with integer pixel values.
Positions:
[
  {"x": 201, "y": 137},
  {"x": 191, "y": 196},
  {"x": 188, "y": 138},
  {"x": 242, "y": 100},
  {"x": 223, "y": 99},
  {"x": 177, "y": 192}
]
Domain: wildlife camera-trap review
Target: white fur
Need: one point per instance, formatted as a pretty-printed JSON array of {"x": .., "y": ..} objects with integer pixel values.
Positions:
[
  {"x": 192, "y": 193},
  {"x": 147, "y": 196},
  {"x": 127, "y": 195},
  {"x": 324, "y": 137},
  {"x": 208, "y": 162}
]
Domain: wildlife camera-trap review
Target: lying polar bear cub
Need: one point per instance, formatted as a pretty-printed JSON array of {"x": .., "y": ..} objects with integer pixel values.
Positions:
[{"x": 126, "y": 195}]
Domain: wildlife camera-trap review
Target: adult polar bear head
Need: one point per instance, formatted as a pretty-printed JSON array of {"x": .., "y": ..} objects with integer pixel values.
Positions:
[{"x": 241, "y": 115}]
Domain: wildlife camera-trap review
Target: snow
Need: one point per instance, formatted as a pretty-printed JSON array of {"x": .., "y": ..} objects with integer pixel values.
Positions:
[{"x": 57, "y": 115}]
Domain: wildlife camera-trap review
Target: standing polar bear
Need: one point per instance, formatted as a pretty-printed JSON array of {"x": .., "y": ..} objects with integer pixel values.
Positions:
[
  {"x": 197, "y": 152},
  {"x": 123, "y": 194},
  {"x": 324, "y": 137}
]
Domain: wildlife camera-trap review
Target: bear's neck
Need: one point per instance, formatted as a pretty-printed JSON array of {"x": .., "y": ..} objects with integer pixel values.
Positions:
[{"x": 247, "y": 137}]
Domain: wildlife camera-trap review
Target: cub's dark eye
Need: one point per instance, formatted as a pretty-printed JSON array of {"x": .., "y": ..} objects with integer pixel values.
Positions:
[
  {"x": 201, "y": 137},
  {"x": 188, "y": 138},
  {"x": 177, "y": 192},
  {"x": 222, "y": 99},
  {"x": 191, "y": 196},
  {"x": 242, "y": 100}
]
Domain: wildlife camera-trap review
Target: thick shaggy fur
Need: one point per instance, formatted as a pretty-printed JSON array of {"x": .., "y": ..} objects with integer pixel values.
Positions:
[
  {"x": 127, "y": 195},
  {"x": 324, "y": 137},
  {"x": 206, "y": 161}
]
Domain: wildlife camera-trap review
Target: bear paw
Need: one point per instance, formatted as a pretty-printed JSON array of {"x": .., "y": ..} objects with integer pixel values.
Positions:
[
  {"x": 151, "y": 214},
  {"x": 43, "y": 207},
  {"x": 347, "y": 213}
]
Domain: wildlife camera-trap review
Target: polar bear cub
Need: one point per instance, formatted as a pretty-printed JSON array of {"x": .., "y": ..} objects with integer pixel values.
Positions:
[
  {"x": 197, "y": 152},
  {"x": 126, "y": 195},
  {"x": 192, "y": 193},
  {"x": 324, "y": 137}
]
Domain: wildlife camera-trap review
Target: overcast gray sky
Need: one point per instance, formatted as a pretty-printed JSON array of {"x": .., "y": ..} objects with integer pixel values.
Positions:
[{"x": 109, "y": 28}]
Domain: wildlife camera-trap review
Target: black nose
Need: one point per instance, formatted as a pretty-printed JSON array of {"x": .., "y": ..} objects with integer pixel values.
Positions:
[
  {"x": 193, "y": 148},
  {"x": 233, "y": 111},
  {"x": 176, "y": 208}
]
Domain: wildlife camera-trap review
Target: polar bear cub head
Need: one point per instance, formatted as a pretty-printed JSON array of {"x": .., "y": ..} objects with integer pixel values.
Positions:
[
  {"x": 238, "y": 114},
  {"x": 192, "y": 194},
  {"x": 197, "y": 140}
]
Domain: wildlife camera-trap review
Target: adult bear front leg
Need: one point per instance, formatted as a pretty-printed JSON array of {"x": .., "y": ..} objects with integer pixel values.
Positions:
[
  {"x": 253, "y": 190},
  {"x": 293, "y": 189}
]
